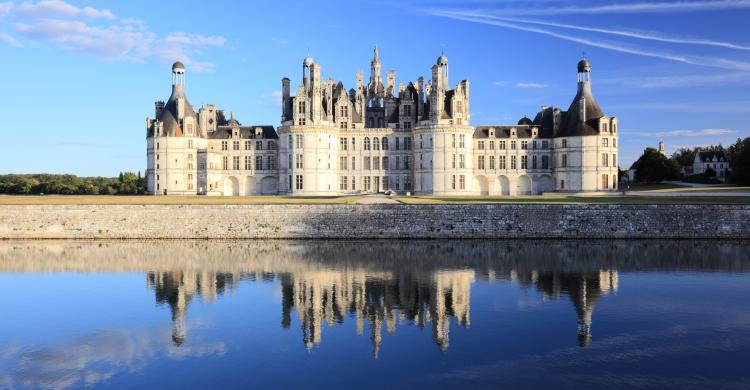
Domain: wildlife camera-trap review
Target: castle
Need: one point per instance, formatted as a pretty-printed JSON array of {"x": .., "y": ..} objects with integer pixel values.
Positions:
[{"x": 379, "y": 137}]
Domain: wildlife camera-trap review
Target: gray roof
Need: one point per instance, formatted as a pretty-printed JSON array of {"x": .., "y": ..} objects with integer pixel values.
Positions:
[
  {"x": 571, "y": 123},
  {"x": 168, "y": 115},
  {"x": 246, "y": 132},
  {"x": 709, "y": 156},
  {"x": 503, "y": 131}
]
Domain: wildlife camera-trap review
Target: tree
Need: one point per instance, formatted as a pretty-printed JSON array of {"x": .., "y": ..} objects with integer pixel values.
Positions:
[
  {"x": 654, "y": 166},
  {"x": 739, "y": 162},
  {"x": 129, "y": 184},
  {"x": 684, "y": 156}
]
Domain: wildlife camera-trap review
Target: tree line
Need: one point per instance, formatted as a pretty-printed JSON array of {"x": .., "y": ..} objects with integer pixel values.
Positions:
[
  {"x": 127, "y": 183},
  {"x": 654, "y": 166}
]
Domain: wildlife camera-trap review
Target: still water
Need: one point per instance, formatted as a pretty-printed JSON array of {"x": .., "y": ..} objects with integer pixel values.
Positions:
[{"x": 369, "y": 314}]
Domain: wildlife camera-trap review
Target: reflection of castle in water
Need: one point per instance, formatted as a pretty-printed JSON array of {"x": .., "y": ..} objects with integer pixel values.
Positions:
[{"x": 326, "y": 297}]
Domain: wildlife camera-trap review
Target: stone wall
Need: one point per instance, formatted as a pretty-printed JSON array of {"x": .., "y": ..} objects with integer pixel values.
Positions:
[{"x": 374, "y": 221}]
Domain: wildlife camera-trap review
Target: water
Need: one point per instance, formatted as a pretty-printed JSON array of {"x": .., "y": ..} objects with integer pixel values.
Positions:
[{"x": 294, "y": 314}]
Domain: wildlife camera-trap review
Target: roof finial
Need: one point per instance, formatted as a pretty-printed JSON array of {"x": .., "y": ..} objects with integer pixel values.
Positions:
[
  {"x": 231, "y": 115},
  {"x": 583, "y": 53},
  {"x": 442, "y": 49},
  {"x": 376, "y": 57}
]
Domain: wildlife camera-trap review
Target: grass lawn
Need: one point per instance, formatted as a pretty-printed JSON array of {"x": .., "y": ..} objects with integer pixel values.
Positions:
[
  {"x": 604, "y": 200},
  {"x": 172, "y": 200}
]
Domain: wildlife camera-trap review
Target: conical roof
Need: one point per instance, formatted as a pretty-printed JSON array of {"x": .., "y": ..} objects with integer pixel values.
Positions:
[
  {"x": 572, "y": 124},
  {"x": 168, "y": 115}
]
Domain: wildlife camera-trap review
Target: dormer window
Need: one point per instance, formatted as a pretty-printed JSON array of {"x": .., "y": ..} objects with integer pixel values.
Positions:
[
  {"x": 492, "y": 132},
  {"x": 258, "y": 131}
]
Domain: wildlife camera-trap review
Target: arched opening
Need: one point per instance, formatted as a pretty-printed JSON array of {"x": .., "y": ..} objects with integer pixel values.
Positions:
[
  {"x": 231, "y": 186},
  {"x": 545, "y": 184},
  {"x": 250, "y": 185},
  {"x": 524, "y": 185},
  {"x": 269, "y": 185},
  {"x": 482, "y": 184},
  {"x": 503, "y": 185}
]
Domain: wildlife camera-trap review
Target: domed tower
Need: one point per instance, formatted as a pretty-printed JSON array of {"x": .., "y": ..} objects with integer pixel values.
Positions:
[{"x": 173, "y": 139}]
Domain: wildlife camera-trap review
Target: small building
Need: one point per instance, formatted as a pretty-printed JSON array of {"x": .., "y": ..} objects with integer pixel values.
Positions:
[{"x": 717, "y": 161}]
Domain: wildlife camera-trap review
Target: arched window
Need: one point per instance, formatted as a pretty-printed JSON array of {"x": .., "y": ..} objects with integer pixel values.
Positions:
[
  {"x": 367, "y": 143},
  {"x": 384, "y": 141},
  {"x": 375, "y": 143}
]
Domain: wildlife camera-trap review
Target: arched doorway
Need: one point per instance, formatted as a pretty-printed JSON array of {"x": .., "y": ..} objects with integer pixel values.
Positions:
[
  {"x": 269, "y": 185},
  {"x": 231, "y": 186},
  {"x": 524, "y": 185},
  {"x": 503, "y": 185},
  {"x": 545, "y": 184},
  {"x": 482, "y": 184},
  {"x": 250, "y": 185}
]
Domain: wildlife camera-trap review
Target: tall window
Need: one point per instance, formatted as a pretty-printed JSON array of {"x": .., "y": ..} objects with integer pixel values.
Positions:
[
  {"x": 524, "y": 145},
  {"x": 298, "y": 182},
  {"x": 502, "y": 162},
  {"x": 384, "y": 142},
  {"x": 564, "y": 161},
  {"x": 407, "y": 110},
  {"x": 398, "y": 143},
  {"x": 453, "y": 140},
  {"x": 248, "y": 145},
  {"x": 614, "y": 159},
  {"x": 258, "y": 145},
  {"x": 545, "y": 162},
  {"x": 354, "y": 165},
  {"x": 462, "y": 182},
  {"x": 342, "y": 163},
  {"x": 614, "y": 142},
  {"x": 453, "y": 182},
  {"x": 453, "y": 161},
  {"x": 461, "y": 161},
  {"x": 376, "y": 163},
  {"x": 375, "y": 143},
  {"x": 512, "y": 145},
  {"x": 398, "y": 162},
  {"x": 605, "y": 159},
  {"x": 299, "y": 141},
  {"x": 524, "y": 162},
  {"x": 259, "y": 163},
  {"x": 492, "y": 162},
  {"x": 480, "y": 145},
  {"x": 236, "y": 145},
  {"x": 343, "y": 143},
  {"x": 385, "y": 163},
  {"x": 502, "y": 145},
  {"x": 342, "y": 183},
  {"x": 236, "y": 163},
  {"x": 300, "y": 161},
  {"x": 224, "y": 145},
  {"x": 545, "y": 144},
  {"x": 367, "y": 163},
  {"x": 533, "y": 162},
  {"x": 564, "y": 143},
  {"x": 605, "y": 142},
  {"x": 271, "y": 162},
  {"x": 512, "y": 162},
  {"x": 605, "y": 181},
  {"x": 301, "y": 107},
  {"x": 480, "y": 162},
  {"x": 462, "y": 140},
  {"x": 407, "y": 143},
  {"x": 225, "y": 162},
  {"x": 367, "y": 143},
  {"x": 248, "y": 163}
]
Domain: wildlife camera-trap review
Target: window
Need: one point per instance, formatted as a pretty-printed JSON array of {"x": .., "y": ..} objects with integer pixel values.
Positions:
[
  {"x": 462, "y": 182},
  {"x": 236, "y": 163},
  {"x": 236, "y": 145},
  {"x": 299, "y": 184},
  {"x": 367, "y": 183},
  {"x": 524, "y": 162},
  {"x": 342, "y": 183},
  {"x": 406, "y": 163},
  {"x": 545, "y": 144},
  {"x": 385, "y": 163},
  {"x": 343, "y": 143},
  {"x": 605, "y": 159},
  {"x": 512, "y": 162},
  {"x": 259, "y": 163},
  {"x": 605, "y": 142},
  {"x": 375, "y": 143},
  {"x": 248, "y": 164},
  {"x": 533, "y": 162},
  {"x": 354, "y": 165},
  {"x": 524, "y": 145},
  {"x": 461, "y": 161},
  {"x": 367, "y": 163},
  {"x": 258, "y": 145},
  {"x": 605, "y": 181},
  {"x": 398, "y": 162},
  {"x": 398, "y": 143},
  {"x": 502, "y": 162},
  {"x": 354, "y": 183},
  {"x": 564, "y": 143},
  {"x": 376, "y": 163},
  {"x": 190, "y": 144},
  {"x": 344, "y": 111},
  {"x": 407, "y": 125},
  {"x": 564, "y": 163},
  {"x": 545, "y": 162},
  {"x": 225, "y": 162},
  {"x": 398, "y": 183},
  {"x": 502, "y": 145},
  {"x": 604, "y": 129},
  {"x": 420, "y": 142},
  {"x": 384, "y": 142},
  {"x": 614, "y": 127},
  {"x": 562, "y": 184},
  {"x": 480, "y": 145},
  {"x": 513, "y": 145},
  {"x": 407, "y": 143},
  {"x": 453, "y": 140},
  {"x": 367, "y": 143},
  {"x": 271, "y": 162},
  {"x": 614, "y": 159},
  {"x": 461, "y": 140},
  {"x": 300, "y": 161},
  {"x": 224, "y": 145},
  {"x": 248, "y": 145},
  {"x": 407, "y": 110},
  {"x": 342, "y": 163},
  {"x": 533, "y": 145},
  {"x": 480, "y": 162},
  {"x": 299, "y": 141},
  {"x": 492, "y": 162},
  {"x": 453, "y": 182},
  {"x": 614, "y": 142},
  {"x": 301, "y": 107},
  {"x": 492, "y": 145},
  {"x": 301, "y": 122},
  {"x": 344, "y": 125},
  {"x": 453, "y": 161},
  {"x": 271, "y": 145}
]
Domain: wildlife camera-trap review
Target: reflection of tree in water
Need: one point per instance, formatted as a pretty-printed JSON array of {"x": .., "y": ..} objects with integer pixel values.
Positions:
[{"x": 584, "y": 289}]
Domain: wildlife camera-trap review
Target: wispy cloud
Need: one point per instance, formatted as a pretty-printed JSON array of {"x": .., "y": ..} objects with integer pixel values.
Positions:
[
  {"x": 687, "y": 133},
  {"x": 676, "y": 81},
  {"x": 645, "y": 35},
  {"x": 716, "y": 62},
  {"x": 563, "y": 8},
  {"x": 531, "y": 85},
  {"x": 499, "y": 83},
  {"x": 99, "y": 33},
  {"x": 279, "y": 41},
  {"x": 6, "y": 7}
]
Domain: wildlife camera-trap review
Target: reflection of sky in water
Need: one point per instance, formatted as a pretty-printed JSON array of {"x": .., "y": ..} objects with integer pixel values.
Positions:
[{"x": 288, "y": 314}]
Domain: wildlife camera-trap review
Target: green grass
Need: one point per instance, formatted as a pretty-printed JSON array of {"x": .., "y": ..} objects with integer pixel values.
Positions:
[
  {"x": 170, "y": 200},
  {"x": 602, "y": 200}
]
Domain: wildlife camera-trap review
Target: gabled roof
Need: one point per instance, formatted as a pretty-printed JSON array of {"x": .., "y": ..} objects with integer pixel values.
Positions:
[
  {"x": 709, "y": 156},
  {"x": 246, "y": 132}
]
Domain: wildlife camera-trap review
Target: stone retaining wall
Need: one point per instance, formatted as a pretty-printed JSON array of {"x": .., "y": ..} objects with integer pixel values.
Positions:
[{"x": 374, "y": 221}]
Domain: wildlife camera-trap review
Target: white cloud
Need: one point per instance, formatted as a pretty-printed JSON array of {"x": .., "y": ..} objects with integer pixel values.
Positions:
[
  {"x": 687, "y": 133},
  {"x": 6, "y": 7},
  {"x": 531, "y": 85},
  {"x": 620, "y": 8},
  {"x": 716, "y": 62},
  {"x": 645, "y": 35},
  {"x": 499, "y": 83},
  {"x": 100, "y": 34},
  {"x": 272, "y": 98}
]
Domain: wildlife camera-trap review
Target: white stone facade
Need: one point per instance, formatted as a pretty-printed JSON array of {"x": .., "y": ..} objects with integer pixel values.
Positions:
[{"x": 380, "y": 137}]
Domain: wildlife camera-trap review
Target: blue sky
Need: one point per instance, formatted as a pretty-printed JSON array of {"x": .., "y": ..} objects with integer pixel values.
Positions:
[{"x": 79, "y": 78}]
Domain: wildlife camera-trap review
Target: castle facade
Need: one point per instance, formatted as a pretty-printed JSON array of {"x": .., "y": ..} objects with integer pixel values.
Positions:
[{"x": 380, "y": 136}]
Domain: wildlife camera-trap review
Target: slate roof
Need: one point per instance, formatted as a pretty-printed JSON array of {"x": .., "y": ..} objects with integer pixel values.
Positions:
[
  {"x": 246, "y": 132},
  {"x": 709, "y": 156},
  {"x": 168, "y": 115},
  {"x": 503, "y": 131}
]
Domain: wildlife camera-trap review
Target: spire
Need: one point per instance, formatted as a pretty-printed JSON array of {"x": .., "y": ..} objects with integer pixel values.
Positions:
[{"x": 375, "y": 56}]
